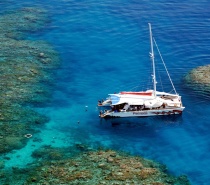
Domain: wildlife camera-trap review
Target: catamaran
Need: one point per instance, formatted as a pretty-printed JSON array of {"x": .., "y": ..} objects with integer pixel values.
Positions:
[{"x": 143, "y": 103}]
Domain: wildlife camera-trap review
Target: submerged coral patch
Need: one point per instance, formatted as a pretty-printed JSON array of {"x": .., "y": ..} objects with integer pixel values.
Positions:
[
  {"x": 26, "y": 73},
  {"x": 199, "y": 79},
  {"x": 61, "y": 166},
  {"x": 99, "y": 167},
  {"x": 15, "y": 23}
]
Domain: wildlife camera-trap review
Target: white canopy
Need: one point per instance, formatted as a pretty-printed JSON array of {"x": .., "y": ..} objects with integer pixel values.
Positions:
[
  {"x": 148, "y": 101},
  {"x": 153, "y": 103},
  {"x": 131, "y": 100}
]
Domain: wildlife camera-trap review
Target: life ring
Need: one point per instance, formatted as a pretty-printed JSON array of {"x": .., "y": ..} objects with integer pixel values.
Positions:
[{"x": 28, "y": 136}]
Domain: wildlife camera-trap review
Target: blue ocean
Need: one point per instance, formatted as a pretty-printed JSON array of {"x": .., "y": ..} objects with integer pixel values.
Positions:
[{"x": 103, "y": 48}]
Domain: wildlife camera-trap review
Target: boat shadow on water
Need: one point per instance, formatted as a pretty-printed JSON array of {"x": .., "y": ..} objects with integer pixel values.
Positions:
[
  {"x": 137, "y": 128},
  {"x": 174, "y": 120}
]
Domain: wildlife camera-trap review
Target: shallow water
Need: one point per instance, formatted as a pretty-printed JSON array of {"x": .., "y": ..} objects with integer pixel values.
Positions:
[{"x": 104, "y": 49}]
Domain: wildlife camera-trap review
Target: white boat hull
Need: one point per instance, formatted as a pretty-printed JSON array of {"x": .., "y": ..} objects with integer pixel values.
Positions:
[{"x": 143, "y": 113}]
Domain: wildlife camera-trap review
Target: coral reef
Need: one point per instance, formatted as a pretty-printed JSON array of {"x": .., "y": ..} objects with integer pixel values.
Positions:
[
  {"x": 199, "y": 79},
  {"x": 103, "y": 167},
  {"x": 26, "y": 71},
  {"x": 96, "y": 167},
  {"x": 15, "y": 23}
]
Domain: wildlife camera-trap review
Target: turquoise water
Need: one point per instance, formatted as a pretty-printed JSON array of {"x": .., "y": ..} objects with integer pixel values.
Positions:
[{"x": 104, "y": 49}]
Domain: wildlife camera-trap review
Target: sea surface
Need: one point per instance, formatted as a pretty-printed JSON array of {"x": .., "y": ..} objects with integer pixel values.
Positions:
[{"x": 104, "y": 48}]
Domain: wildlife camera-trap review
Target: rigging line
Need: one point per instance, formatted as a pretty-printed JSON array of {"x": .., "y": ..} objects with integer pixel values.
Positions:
[
  {"x": 171, "y": 91},
  {"x": 134, "y": 88},
  {"x": 164, "y": 65}
]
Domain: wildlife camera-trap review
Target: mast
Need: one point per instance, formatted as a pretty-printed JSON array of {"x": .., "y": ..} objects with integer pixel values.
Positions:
[{"x": 153, "y": 59}]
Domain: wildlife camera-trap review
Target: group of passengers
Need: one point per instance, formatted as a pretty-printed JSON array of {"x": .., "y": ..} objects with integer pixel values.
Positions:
[{"x": 126, "y": 107}]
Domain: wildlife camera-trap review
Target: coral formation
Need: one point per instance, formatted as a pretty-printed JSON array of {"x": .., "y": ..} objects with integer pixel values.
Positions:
[
  {"x": 26, "y": 69},
  {"x": 96, "y": 167},
  {"x": 15, "y": 23},
  {"x": 199, "y": 79},
  {"x": 103, "y": 167}
]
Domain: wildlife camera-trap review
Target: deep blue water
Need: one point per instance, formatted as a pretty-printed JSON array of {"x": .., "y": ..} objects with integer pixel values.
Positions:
[{"x": 104, "y": 48}]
